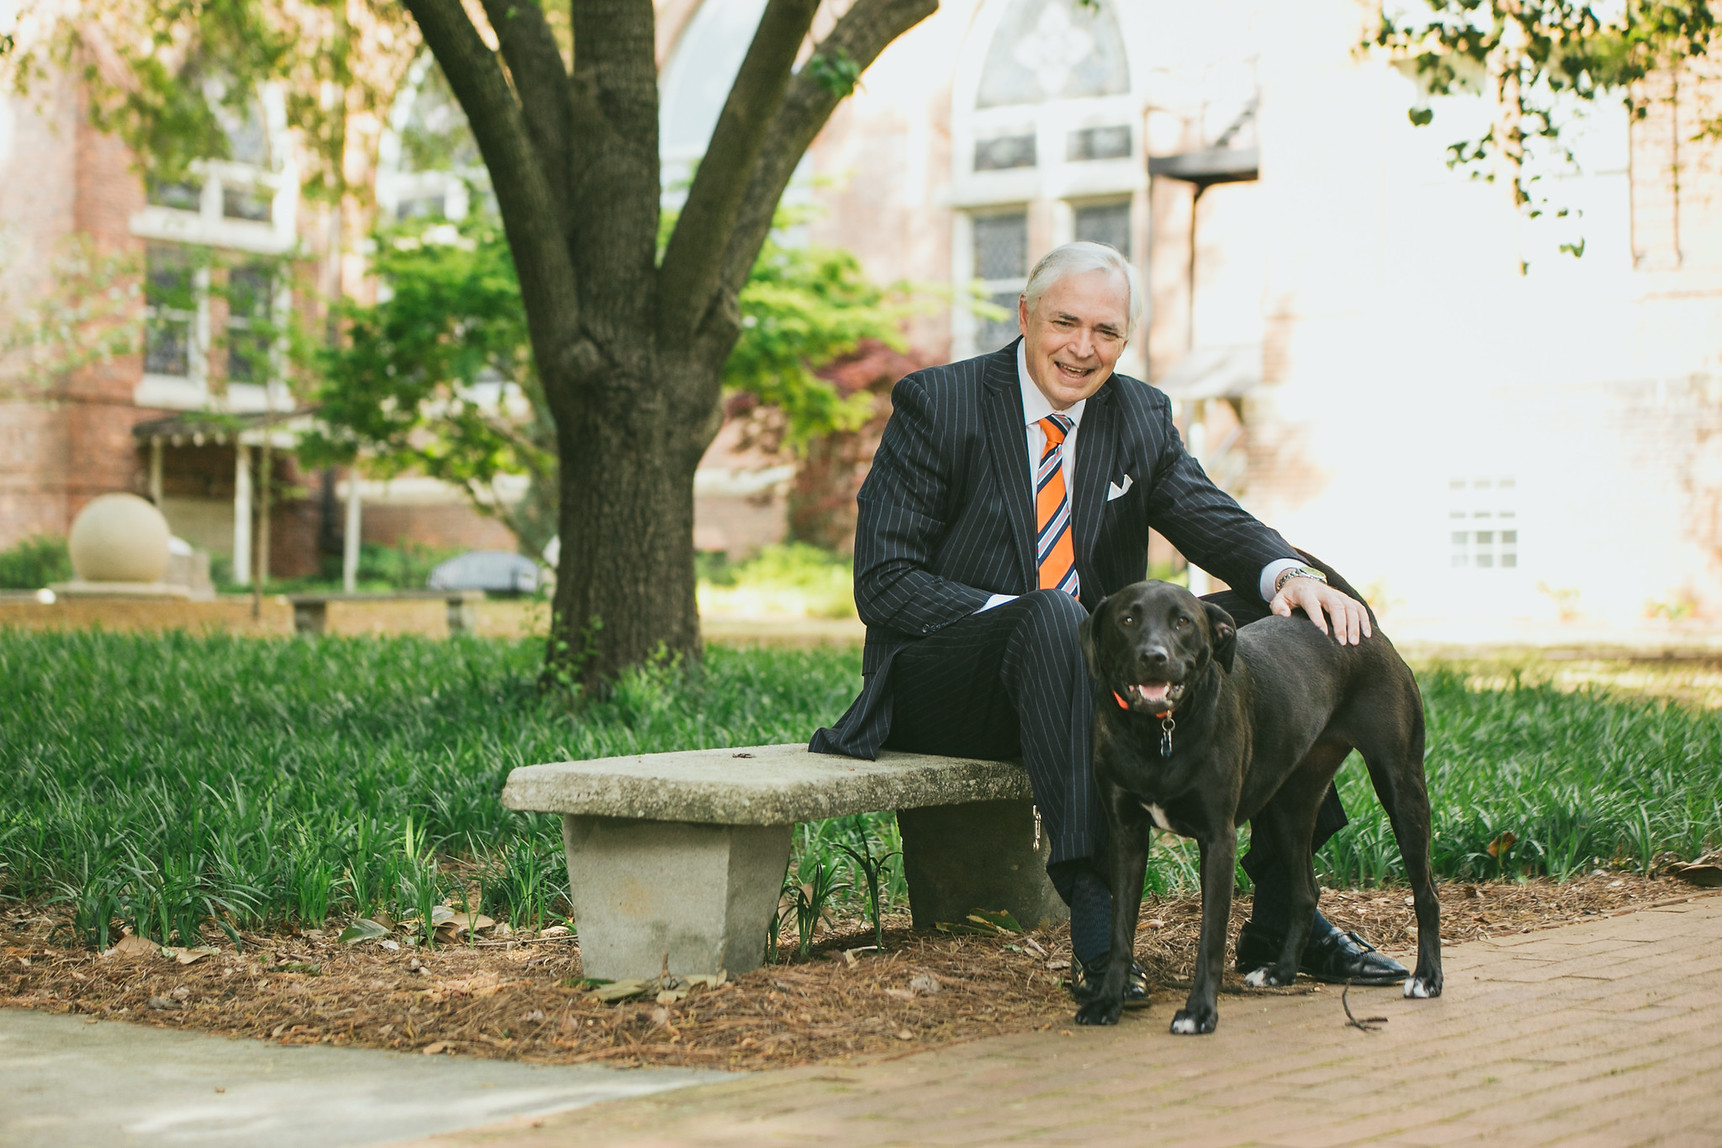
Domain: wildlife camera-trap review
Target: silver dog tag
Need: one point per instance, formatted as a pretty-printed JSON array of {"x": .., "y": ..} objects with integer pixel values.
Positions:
[{"x": 1167, "y": 725}]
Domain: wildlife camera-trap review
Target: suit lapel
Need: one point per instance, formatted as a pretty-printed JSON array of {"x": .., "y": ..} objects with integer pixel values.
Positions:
[
  {"x": 1006, "y": 439},
  {"x": 1095, "y": 445}
]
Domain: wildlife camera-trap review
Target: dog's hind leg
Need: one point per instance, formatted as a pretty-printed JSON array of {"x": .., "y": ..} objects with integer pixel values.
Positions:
[
  {"x": 1219, "y": 869},
  {"x": 1285, "y": 827},
  {"x": 1394, "y": 753}
]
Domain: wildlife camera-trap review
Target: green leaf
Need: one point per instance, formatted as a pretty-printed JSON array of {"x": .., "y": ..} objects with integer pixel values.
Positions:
[{"x": 364, "y": 929}]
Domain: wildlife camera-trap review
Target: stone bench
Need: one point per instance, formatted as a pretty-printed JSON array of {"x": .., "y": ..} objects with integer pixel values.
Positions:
[
  {"x": 311, "y": 611},
  {"x": 684, "y": 854}
]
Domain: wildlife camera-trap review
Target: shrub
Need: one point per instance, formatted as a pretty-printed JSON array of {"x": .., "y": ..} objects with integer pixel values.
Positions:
[{"x": 34, "y": 563}]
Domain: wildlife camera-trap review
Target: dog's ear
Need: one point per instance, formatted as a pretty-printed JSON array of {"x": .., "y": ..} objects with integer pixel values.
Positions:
[
  {"x": 1085, "y": 636},
  {"x": 1225, "y": 635}
]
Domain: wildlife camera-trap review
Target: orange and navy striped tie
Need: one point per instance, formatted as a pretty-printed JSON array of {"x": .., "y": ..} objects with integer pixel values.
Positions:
[{"x": 1054, "y": 550}]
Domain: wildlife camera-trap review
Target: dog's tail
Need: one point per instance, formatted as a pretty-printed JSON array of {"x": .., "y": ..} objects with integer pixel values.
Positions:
[{"x": 1338, "y": 582}]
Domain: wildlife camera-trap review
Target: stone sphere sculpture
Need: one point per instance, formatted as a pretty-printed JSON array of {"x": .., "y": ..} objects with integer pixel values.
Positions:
[{"x": 119, "y": 538}]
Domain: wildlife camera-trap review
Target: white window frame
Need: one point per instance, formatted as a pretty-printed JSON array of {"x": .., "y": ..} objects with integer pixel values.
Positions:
[{"x": 207, "y": 226}]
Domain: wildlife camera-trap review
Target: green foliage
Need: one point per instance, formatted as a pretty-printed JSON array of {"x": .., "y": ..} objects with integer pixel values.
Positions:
[
  {"x": 438, "y": 376},
  {"x": 837, "y": 73},
  {"x": 162, "y": 781},
  {"x": 802, "y": 307},
  {"x": 34, "y": 563},
  {"x": 793, "y": 577},
  {"x": 167, "y": 781},
  {"x": 1532, "y": 54},
  {"x": 181, "y": 82},
  {"x": 86, "y": 312}
]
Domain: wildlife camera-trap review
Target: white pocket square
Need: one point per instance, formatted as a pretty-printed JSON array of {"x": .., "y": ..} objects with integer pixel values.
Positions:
[{"x": 1113, "y": 490}]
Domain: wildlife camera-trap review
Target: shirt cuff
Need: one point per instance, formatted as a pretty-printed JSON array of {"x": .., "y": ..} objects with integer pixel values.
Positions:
[
  {"x": 996, "y": 600},
  {"x": 1272, "y": 571}
]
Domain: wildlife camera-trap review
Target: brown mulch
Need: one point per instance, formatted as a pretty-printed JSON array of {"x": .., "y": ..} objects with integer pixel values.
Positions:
[{"x": 522, "y": 998}]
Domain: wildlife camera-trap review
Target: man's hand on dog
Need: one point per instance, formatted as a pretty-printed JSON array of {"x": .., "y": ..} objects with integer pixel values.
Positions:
[{"x": 1321, "y": 602}]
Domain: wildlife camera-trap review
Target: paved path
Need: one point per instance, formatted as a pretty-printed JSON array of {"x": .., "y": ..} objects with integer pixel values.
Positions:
[
  {"x": 1607, "y": 1033},
  {"x": 66, "y": 1081}
]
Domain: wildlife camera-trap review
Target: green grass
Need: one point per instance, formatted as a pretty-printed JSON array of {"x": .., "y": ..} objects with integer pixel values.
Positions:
[
  {"x": 161, "y": 781},
  {"x": 164, "y": 781}
]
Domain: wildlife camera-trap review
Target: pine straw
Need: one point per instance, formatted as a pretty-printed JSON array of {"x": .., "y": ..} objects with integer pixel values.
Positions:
[{"x": 522, "y": 1000}]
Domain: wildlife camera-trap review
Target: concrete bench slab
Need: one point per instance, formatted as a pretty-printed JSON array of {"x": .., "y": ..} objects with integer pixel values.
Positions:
[{"x": 682, "y": 855}]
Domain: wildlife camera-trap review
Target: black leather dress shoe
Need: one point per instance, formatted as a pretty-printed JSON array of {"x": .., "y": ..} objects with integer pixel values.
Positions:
[
  {"x": 1135, "y": 985},
  {"x": 1329, "y": 955}
]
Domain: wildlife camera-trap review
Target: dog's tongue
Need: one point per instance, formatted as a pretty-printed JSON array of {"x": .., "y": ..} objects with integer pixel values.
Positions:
[{"x": 1152, "y": 692}]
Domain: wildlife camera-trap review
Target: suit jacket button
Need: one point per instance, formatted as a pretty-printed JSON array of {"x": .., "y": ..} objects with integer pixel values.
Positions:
[{"x": 926, "y": 629}]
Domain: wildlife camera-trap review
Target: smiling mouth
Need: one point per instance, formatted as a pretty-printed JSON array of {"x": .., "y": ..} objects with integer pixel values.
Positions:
[
  {"x": 1157, "y": 694},
  {"x": 1071, "y": 372}
]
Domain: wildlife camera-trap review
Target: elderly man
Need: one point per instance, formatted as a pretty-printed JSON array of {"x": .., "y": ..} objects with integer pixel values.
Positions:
[{"x": 1010, "y": 494}]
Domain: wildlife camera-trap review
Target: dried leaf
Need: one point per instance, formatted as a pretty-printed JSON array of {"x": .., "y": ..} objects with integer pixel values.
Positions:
[
  {"x": 364, "y": 929},
  {"x": 926, "y": 983},
  {"x": 1499, "y": 846},
  {"x": 620, "y": 990},
  {"x": 189, "y": 956},
  {"x": 1706, "y": 875},
  {"x": 133, "y": 946},
  {"x": 434, "y": 1047}
]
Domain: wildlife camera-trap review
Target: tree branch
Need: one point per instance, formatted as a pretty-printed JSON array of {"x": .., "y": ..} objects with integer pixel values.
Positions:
[
  {"x": 541, "y": 259},
  {"x": 695, "y": 254},
  {"x": 546, "y": 91},
  {"x": 863, "y": 32}
]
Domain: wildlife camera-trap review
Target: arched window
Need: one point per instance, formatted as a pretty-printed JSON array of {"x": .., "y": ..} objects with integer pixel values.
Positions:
[{"x": 1046, "y": 128}]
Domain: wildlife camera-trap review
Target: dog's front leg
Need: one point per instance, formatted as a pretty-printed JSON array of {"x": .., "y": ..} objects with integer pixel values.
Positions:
[
  {"x": 1219, "y": 870},
  {"x": 1129, "y": 859}
]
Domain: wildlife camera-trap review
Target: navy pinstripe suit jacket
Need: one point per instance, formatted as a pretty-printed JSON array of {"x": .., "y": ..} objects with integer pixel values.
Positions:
[{"x": 947, "y": 518}]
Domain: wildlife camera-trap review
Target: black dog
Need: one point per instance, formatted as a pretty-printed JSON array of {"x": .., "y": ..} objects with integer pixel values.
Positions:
[{"x": 1200, "y": 727}]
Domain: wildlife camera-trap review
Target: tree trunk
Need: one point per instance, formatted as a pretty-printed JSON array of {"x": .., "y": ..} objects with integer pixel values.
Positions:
[
  {"x": 625, "y": 576},
  {"x": 630, "y": 349}
]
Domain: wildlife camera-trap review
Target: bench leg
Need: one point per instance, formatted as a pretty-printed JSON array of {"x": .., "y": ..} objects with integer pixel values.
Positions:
[
  {"x": 702, "y": 895},
  {"x": 980, "y": 855}
]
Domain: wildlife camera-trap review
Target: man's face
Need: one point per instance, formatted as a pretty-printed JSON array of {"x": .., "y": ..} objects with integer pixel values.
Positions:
[{"x": 1075, "y": 334}]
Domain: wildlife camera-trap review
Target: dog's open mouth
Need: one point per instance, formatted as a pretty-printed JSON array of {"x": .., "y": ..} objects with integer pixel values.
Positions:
[{"x": 1159, "y": 695}]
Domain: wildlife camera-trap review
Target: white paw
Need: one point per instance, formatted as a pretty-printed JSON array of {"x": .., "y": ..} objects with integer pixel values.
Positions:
[
  {"x": 1184, "y": 1026},
  {"x": 1416, "y": 989},
  {"x": 1259, "y": 977}
]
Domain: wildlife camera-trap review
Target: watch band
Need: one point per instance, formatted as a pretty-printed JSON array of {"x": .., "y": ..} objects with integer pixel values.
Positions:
[{"x": 1298, "y": 572}]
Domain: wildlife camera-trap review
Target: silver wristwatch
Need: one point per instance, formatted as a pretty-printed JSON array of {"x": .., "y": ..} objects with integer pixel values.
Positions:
[{"x": 1298, "y": 572}]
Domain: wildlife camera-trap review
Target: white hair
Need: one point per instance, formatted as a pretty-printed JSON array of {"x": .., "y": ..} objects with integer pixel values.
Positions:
[{"x": 1078, "y": 258}]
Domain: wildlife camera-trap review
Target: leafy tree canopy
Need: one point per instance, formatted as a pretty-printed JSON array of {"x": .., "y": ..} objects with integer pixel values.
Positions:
[
  {"x": 437, "y": 377},
  {"x": 1533, "y": 55}
]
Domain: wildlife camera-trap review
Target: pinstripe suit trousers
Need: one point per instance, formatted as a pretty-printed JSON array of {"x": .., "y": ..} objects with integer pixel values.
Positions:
[{"x": 1004, "y": 683}]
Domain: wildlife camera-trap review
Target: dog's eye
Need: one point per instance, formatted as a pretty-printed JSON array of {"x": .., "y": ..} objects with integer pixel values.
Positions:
[
  {"x": 1182, "y": 622},
  {"x": 1127, "y": 620}
]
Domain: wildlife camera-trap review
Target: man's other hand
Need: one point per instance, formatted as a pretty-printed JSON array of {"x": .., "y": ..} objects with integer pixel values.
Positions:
[{"x": 1321, "y": 602}]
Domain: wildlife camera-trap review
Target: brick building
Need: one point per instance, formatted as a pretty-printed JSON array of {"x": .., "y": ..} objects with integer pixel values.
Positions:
[{"x": 1382, "y": 357}]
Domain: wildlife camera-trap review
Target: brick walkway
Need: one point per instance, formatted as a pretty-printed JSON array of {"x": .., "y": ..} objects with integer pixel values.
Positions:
[{"x": 1607, "y": 1033}]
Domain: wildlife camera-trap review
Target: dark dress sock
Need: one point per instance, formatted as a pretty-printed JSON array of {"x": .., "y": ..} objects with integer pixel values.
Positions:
[{"x": 1090, "y": 901}]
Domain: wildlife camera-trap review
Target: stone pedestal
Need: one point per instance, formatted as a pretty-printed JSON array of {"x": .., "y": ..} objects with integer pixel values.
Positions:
[
  {"x": 700, "y": 895},
  {"x": 978, "y": 855}
]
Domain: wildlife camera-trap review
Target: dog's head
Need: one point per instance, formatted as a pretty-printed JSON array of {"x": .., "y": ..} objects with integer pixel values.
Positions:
[{"x": 1148, "y": 643}]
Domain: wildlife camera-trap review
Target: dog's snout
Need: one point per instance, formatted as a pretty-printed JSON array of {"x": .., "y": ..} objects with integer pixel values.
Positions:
[{"x": 1153, "y": 654}]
